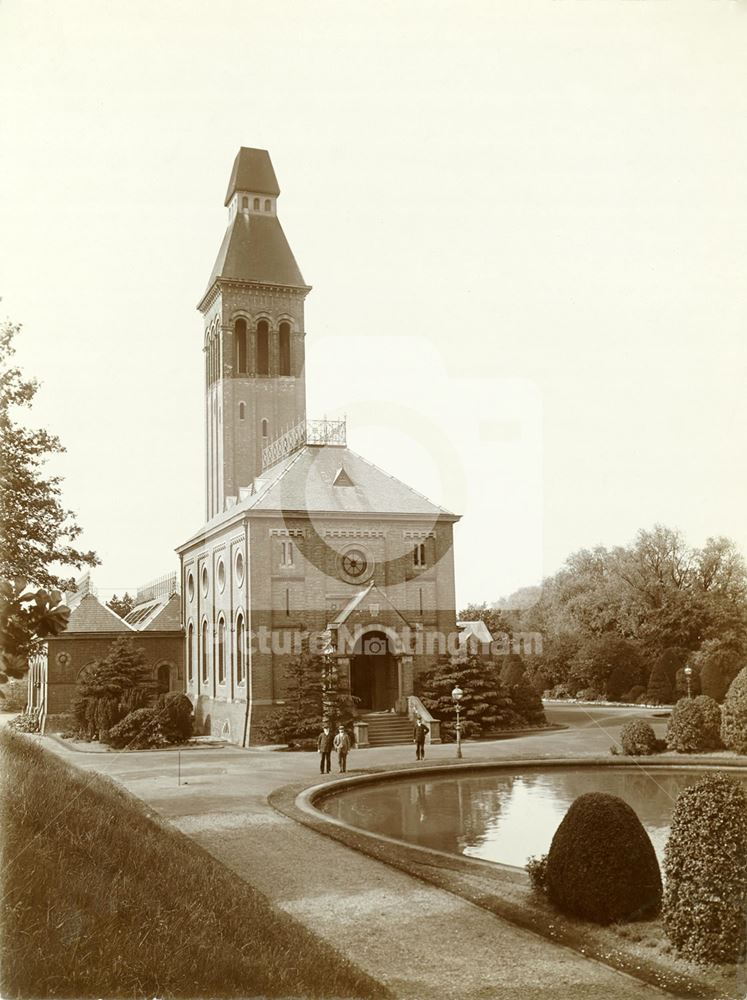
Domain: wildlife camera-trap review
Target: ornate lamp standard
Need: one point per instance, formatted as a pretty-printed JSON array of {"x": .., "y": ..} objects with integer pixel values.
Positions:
[
  {"x": 329, "y": 675},
  {"x": 457, "y": 694},
  {"x": 688, "y": 675}
]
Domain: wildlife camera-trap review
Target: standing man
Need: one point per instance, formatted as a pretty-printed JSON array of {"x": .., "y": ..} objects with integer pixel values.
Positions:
[
  {"x": 421, "y": 731},
  {"x": 342, "y": 745},
  {"x": 324, "y": 745}
]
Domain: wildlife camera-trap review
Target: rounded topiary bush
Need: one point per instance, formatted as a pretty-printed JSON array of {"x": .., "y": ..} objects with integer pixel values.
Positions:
[
  {"x": 637, "y": 738},
  {"x": 601, "y": 865},
  {"x": 706, "y": 872},
  {"x": 177, "y": 712},
  {"x": 140, "y": 730},
  {"x": 734, "y": 714},
  {"x": 694, "y": 725}
]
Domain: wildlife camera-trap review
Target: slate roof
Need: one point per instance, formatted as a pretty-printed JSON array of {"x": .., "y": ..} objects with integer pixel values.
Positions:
[
  {"x": 255, "y": 249},
  {"x": 252, "y": 171},
  {"x": 304, "y": 481},
  {"x": 90, "y": 615}
]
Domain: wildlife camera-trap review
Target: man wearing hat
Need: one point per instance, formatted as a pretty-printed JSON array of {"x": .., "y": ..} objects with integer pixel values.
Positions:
[{"x": 342, "y": 746}]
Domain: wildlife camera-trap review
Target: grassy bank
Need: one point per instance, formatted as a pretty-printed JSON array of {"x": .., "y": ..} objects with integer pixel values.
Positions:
[{"x": 101, "y": 900}]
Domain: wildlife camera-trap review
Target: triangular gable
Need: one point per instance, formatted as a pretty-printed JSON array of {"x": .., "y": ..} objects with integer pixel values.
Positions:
[
  {"x": 90, "y": 615},
  {"x": 370, "y": 595}
]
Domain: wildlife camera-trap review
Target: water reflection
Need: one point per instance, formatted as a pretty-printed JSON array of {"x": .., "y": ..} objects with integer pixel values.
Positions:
[{"x": 506, "y": 816}]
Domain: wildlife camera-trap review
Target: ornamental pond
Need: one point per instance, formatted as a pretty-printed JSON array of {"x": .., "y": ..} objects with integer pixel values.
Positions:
[{"x": 508, "y": 814}]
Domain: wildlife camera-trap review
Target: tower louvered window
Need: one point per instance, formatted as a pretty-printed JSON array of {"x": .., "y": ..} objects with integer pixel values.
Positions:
[{"x": 263, "y": 348}]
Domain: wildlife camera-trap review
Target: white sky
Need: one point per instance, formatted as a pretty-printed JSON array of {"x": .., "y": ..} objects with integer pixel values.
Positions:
[{"x": 525, "y": 216}]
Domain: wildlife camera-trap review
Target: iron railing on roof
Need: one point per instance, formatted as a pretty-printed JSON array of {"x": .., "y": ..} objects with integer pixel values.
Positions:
[
  {"x": 315, "y": 432},
  {"x": 162, "y": 586}
]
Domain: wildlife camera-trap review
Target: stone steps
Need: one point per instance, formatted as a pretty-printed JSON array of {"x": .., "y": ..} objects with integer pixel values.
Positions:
[{"x": 387, "y": 729}]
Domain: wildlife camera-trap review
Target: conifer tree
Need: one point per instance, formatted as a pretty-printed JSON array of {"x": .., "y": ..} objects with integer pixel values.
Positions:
[
  {"x": 486, "y": 705},
  {"x": 111, "y": 688}
]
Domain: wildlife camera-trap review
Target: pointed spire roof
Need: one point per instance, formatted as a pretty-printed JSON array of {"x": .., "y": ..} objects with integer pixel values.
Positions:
[{"x": 252, "y": 171}]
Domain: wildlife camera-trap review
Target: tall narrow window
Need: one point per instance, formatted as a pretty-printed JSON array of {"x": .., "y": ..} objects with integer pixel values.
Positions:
[
  {"x": 287, "y": 602},
  {"x": 265, "y": 429},
  {"x": 242, "y": 411},
  {"x": 256, "y": 204},
  {"x": 204, "y": 652},
  {"x": 285, "y": 349},
  {"x": 240, "y": 346},
  {"x": 421, "y": 599},
  {"x": 240, "y": 649},
  {"x": 245, "y": 203},
  {"x": 190, "y": 653},
  {"x": 263, "y": 348},
  {"x": 419, "y": 554},
  {"x": 268, "y": 205},
  {"x": 221, "y": 651},
  {"x": 286, "y": 554}
]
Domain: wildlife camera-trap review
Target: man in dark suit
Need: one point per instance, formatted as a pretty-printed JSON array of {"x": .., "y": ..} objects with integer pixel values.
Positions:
[
  {"x": 421, "y": 731},
  {"x": 325, "y": 743}
]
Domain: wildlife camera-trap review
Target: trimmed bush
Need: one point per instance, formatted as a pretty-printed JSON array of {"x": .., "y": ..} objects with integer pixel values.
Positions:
[
  {"x": 176, "y": 716},
  {"x": 602, "y": 866},
  {"x": 527, "y": 703},
  {"x": 637, "y": 738},
  {"x": 660, "y": 689},
  {"x": 734, "y": 714},
  {"x": 694, "y": 725},
  {"x": 25, "y": 723},
  {"x": 140, "y": 730},
  {"x": 706, "y": 872}
]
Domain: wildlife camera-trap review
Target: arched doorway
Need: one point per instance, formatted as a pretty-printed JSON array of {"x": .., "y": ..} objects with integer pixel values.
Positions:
[{"x": 374, "y": 678}]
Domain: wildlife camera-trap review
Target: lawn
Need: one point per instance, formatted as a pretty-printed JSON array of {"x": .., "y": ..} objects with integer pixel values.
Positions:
[{"x": 100, "y": 899}]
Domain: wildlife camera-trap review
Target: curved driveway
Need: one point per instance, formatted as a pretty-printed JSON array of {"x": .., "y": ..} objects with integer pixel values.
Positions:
[{"x": 421, "y": 941}]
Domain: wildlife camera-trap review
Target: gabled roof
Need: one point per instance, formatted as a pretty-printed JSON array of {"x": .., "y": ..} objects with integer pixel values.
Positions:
[
  {"x": 305, "y": 481},
  {"x": 477, "y": 630},
  {"x": 254, "y": 248},
  {"x": 378, "y": 597},
  {"x": 90, "y": 615},
  {"x": 252, "y": 171}
]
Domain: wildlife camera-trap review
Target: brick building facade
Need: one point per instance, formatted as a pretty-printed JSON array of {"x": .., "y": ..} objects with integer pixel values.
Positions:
[{"x": 302, "y": 534}]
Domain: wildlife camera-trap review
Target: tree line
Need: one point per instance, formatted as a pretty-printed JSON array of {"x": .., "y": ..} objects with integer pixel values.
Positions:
[{"x": 625, "y": 622}]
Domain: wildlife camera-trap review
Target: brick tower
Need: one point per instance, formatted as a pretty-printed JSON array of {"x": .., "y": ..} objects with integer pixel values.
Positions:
[{"x": 254, "y": 334}]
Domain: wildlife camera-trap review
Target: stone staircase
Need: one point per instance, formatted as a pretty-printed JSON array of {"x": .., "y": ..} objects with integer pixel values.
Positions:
[{"x": 387, "y": 729}]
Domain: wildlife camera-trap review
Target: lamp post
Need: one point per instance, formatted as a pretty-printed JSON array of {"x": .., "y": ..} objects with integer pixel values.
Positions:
[
  {"x": 688, "y": 675},
  {"x": 457, "y": 694},
  {"x": 329, "y": 675}
]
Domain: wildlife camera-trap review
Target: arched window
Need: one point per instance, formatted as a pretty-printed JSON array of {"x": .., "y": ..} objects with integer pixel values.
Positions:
[
  {"x": 221, "y": 651},
  {"x": 240, "y": 652},
  {"x": 190, "y": 653},
  {"x": 245, "y": 203},
  {"x": 240, "y": 345},
  {"x": 263, "y": 347},
  {"x": 204, "y": 653},
  {"x": 256, "y": 204},
  {"x": 268, "y": 205},
  {"x": 285, "y": 349},
  {"x": 265, "y": 429},
  {"x": 242, "y": 411},
  {"x": 163, "y": 678}
]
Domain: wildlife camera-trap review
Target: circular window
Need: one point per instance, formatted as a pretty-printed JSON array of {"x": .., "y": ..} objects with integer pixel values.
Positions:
[
  {"x": 205, "y": 581},
  {"x": 354, "y": 563},
  {"x": 239, "y": 568},
  {"x": 190, "y": 586},
  {"x": 221, "y": 576}
]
